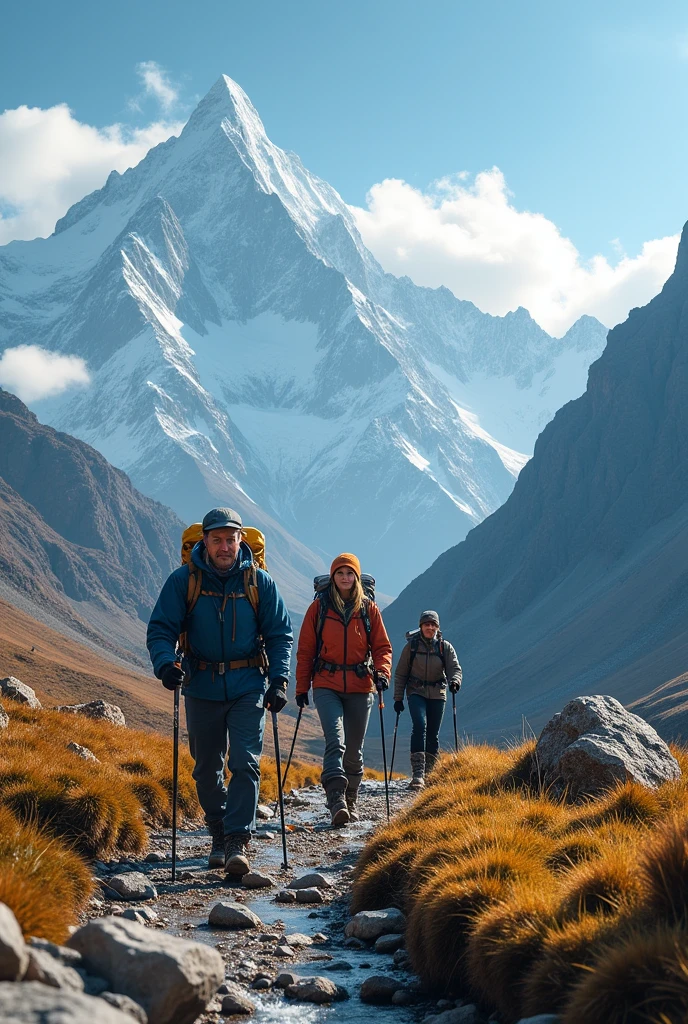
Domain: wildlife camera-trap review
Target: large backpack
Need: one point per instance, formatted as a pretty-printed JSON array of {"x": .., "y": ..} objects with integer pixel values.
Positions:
[
  {"x": 255, "y": 540},
  {"x": 321, "y": 586},
  {"x": 413, "y": 637}
]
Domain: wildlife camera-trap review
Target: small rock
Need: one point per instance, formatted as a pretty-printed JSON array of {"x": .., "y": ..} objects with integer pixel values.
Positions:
[
  {"x": 284, "y": 951},
  {"x": 371, "y": 924},
  {"x": 33, "y": 1003},
  {"x": 389, "y": 943},
  {"x": 233, "y": 915},
  {"x": 14, "y": 955},
  {"x": 298, "y": 939},
  {"x": 403, "y": 997},
  {"x": 353, "y": 943},
  {"x": 236, "y": 1001},
  {"x": 320, "y": 937},
  {"x": 94, "y": 985},
  {"x": 459, "y": 1015},
  {"x": 339, "y": 965},
  {"x": 156, "y": 857},
  {"x": 401, "y": 959},
  {"x": 313, "y": 880},
  {"x": 309, "y": 896},
  {"x": 265, "y": 835},
  {"x": 98, "y": 709},
  {"x": 285, "y": 978},
  {"x": 126, "y": 1005},
  {"x": 264, "y": 812},
  {"x": 132, "y": 885},
  {"x": 68, "y": 957},
  {"x": 261, "y": 984},
  {"x": 14, "y": 689},
  {"x": 82, "y": 752},
  {"x": 316, "y": 990},
  {"x": 379, "y": 989},
  {"x": 50, "y": 971},
  {"x": 255, "y": 880},
  {"x": 285, "y": 896},
  {"x": 445, "y": 1004},
  {"x": 145, "y": 914},
  {"x": 4, "y": 718}
]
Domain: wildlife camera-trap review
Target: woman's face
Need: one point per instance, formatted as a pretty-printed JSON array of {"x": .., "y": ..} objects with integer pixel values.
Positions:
[
  {"x": 429, "y": 630},
  {"x": 344, "y": 579}
]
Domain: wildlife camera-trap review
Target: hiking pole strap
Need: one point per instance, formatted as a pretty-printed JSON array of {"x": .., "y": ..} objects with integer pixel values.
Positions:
[
  {"x": 394, "y": 746},
  {"x": 384, "y": 752},
  {"x": 456, "y": 732},
  {"x": 291, "y": 752},
  {"x": 175, "y": 780},
  {"x": 280, "y": 791}
]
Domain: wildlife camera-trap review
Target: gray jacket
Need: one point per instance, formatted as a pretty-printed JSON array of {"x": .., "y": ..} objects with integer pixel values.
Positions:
[{"x": 426, "y": 675}]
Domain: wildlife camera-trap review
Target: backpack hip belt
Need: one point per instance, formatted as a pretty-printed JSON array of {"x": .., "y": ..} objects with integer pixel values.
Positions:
[
  {"x": 220, "y": 667},
  {"x": 361, "y": 668},
  {"x": 427, "y": 682}
]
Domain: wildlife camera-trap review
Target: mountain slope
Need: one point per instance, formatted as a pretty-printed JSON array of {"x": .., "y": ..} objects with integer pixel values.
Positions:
[
  {"x": 246, "y": 348},
  {"x": 578, "y": 583},
  {"x": 76, "y": 539}
]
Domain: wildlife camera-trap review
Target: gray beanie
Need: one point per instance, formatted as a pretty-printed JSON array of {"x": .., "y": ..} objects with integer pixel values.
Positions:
[{"x": 429, "y": 616}]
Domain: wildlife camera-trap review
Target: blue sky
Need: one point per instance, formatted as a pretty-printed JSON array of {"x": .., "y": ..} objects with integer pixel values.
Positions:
[{"x": 580, "y": 108}]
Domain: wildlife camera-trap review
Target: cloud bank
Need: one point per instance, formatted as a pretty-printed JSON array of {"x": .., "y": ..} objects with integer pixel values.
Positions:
[
  {"x": 157, "y": 84},
  {"x": 50, "y": 160},
  {"x": 470, "y": 237},
  {"x": 31, "y": 372}
]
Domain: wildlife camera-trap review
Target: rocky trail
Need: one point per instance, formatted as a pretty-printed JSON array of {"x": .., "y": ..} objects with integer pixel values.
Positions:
[{"x": 284, "y": 946}]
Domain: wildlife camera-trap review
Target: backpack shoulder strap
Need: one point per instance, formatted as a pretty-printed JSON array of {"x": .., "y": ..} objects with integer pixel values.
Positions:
[
  {"x": 251, "y": 587},
  {"x": 322, "y": 615},
  {"x": 365, "y": 615},
  {"x": 193, "y": 589},
  {"x": 413, "y": 646}
]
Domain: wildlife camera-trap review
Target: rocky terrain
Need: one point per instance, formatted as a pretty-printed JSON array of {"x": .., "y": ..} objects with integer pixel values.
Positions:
[{"x": 578, "y": 582}]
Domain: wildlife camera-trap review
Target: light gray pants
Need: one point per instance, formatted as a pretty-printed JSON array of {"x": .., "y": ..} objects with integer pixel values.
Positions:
[{"x": 344, "y": 720}]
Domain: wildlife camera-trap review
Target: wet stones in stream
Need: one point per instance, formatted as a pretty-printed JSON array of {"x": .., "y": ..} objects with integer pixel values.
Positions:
[
  {"x": 131, "y": 885},
  {"x": 316, "y": 990},
  {"x": 233, "y": 916}
]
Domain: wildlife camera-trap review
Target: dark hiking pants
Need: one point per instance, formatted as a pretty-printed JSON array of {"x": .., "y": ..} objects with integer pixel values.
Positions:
[{"x": 426, "y": 716}]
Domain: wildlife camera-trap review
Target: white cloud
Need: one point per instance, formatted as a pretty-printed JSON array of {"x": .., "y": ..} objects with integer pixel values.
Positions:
[
  {"x": 156, "y": 83},
  {"x": 470, "y": 237},
  {"x": 31, "y": 372},
  {"x": 49, "y": 160}
]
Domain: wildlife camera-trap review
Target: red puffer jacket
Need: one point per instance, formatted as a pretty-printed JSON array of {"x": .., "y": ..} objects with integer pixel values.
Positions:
[{"x": 342, "y": 644}]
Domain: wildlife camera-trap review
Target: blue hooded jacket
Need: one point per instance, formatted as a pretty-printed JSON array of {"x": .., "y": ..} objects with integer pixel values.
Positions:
[{"x": 210, "y": 633}]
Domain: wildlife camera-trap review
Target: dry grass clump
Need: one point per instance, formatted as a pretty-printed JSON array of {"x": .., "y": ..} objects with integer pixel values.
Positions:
[
  {"x": 43, "y": 882},
  {"x": 535, "y": 904},
  {"x": 300, "y": 775}
]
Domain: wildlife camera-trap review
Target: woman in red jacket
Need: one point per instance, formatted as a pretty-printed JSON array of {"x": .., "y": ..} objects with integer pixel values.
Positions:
[{"x": 344, "y": 651}]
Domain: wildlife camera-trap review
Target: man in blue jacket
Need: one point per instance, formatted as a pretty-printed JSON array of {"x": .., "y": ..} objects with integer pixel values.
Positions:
[{"x": 225, "y": 689}]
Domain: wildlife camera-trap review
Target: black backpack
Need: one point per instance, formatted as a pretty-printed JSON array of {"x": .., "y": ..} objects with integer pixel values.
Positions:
[
  {"x": 414, "y": 636},
  {"x": 321, "y": 586}
]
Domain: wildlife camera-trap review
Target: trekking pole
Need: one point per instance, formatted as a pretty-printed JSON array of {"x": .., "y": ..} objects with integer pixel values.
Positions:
[
  {"x": 291, "y": 752},
  {"x": 175, "y": 780},
  {"x": 384, "y": 753},
  {"x": 394, "y": 746},
  {"x": 280, "y": 791},
  {"x": 456, "y": 733}
]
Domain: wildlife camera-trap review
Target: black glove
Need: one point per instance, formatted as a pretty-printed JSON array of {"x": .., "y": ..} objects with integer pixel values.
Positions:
[
  {"x": 381, "y": 681},
  {"x": 302, "y": 700},
  {"x": 276, "y": 695},
  {"x": 171, "y": 676},
  {"x": 398, "y": 706},
  {"x": 455, "y": 687}
]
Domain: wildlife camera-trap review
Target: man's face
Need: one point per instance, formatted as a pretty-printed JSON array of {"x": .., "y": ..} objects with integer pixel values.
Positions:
[
  {"x": 222, "y": 546},
  {"x": 429, "y": 630}
]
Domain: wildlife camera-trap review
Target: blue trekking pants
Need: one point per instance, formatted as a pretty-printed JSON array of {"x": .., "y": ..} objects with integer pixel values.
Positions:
[
  {"x": 344, "y": 720},
  {"x": 426, "y": 716},
  {"x": 213, "y": 726}
]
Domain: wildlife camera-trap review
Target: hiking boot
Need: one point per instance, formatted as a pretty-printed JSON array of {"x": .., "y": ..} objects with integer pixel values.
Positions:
[
  {"x": 217, "y": 849},
  {"x": 351, "y": 800},
  {"x": 336, "y": 803},
  {"x": 430, "y": 762},
  {"x": 418, "y": 769},
  {"x": 236, "y": 849}
]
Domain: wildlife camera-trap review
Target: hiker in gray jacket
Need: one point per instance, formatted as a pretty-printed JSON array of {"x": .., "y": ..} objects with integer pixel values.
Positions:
[{"x": 428, "y": 664}]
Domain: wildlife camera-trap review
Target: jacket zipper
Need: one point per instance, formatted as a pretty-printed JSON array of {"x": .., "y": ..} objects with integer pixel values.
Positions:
[
  {"x": 346, "y": 633},
  {"x": 222, "y": 634}
]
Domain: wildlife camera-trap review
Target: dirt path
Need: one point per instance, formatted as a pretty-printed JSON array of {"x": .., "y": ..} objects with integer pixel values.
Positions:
[{"x": 313, "y": 845}]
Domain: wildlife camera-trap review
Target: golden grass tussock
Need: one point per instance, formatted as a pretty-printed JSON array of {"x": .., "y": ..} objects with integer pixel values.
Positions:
[
  {"x": 505, "y": 942},
  {"x": 515, "y": 893},
  {"x": 44, "y": 882},
  {"x": 300, "y": 775},
  {"x": 642, "y": 979}
]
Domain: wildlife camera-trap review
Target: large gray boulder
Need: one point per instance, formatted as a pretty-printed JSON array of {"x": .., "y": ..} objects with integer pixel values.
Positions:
[
  {"x": 369, "y": 925},
  {"x": 594, "y": 742},
  {"x": 98, "y": 709},
  {"x": 14, "y": 689},
  {"x": 50, "y": 971},
  {"x": 172, "y": 979},
  {"x": 132, "y": 885},
  {"x": 14, "y": 955},
  {"x": 316, "y": 990},
  {"x": 33, "y": 1003}
]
